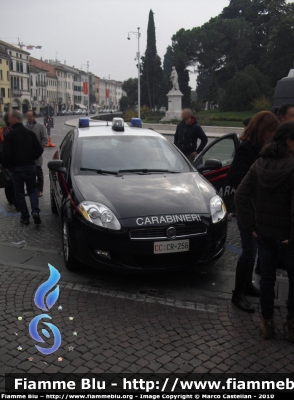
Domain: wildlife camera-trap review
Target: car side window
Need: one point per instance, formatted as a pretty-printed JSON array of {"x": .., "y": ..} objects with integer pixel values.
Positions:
[
  {"x": 63, "y": 143},
  {"x": 223, "y": 150},
  {"x": 66, "y": 147}
]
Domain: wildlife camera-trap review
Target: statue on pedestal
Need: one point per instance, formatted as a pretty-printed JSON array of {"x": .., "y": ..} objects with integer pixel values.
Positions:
[
  {"x": 174, "y": 98},
  {"x": 174, "y": 78}
]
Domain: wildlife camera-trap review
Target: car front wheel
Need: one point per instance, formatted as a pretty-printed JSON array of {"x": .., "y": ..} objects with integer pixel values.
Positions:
[{"x": 70, "y": 261}]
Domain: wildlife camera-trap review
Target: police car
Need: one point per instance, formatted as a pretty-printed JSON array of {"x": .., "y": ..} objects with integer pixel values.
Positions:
[{"x": 128, "y": 199}]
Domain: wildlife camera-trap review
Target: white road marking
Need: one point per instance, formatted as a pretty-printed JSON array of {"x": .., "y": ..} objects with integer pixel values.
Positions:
[{"x": 142, "y": 298}]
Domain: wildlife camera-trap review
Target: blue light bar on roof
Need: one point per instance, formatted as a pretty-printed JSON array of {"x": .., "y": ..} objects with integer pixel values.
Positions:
[
  {"x": 136, "y": 122},
  {"x": 84, "y": 123}
]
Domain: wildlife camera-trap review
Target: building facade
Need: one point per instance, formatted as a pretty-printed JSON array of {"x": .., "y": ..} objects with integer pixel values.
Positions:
[
  {"x": 119, "y": 94},
  {"x": 74, "y": 86},
  {"x": 96, "y": 87},
  {"x": 103, "y": 100},
  {"x": 19, "y": 77},
  {"x": 61, "y": 88},
  {"x": 34, "y": 88},
  {"x": 84, "y": 96},
  {"x": 49, "y": 92},
  {"x": 4, "y": 81},
  {"x": 52, "y": 90},
  {"x": 66, "y": 83},
  {"x": 69, "y": 86},
  {"x": 26, "y": 82},
  {"x": 92, "y": 89},
  {"x": 43, "y": 89},
  {"x": 77, "y": 90},
  {"x": 110, "y": 93}
]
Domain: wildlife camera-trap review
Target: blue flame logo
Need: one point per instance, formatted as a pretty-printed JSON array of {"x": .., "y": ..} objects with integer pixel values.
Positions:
[
  {"x": 40, "y": 299},
  {"x": 45, "y": 288}
]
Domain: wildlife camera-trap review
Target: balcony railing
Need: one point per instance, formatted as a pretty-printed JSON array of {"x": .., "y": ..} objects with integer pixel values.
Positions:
[
  {"x": 42, "y": 84},
  {"x": 16, "y": 92}
]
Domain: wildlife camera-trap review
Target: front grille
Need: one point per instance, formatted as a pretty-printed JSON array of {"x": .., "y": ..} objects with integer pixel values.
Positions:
[{"x": 160, "y": 233}]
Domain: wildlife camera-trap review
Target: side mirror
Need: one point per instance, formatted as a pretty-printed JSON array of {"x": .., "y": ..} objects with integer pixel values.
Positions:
[
  {"x": 57, "y": 166},
  {"x": 213, "y": 164},
  {"x": 210, "y": 165}
]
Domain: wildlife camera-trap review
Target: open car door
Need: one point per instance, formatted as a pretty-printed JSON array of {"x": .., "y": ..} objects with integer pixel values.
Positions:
[{"x": 214, "y": 163}]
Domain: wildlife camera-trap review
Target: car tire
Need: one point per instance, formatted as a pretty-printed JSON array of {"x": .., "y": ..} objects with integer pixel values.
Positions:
[
  {"x": 52, "y": 202},
  {"x": 70, "y": 261}
]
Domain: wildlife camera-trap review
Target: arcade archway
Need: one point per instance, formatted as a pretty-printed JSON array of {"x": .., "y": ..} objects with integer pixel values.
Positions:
[
  {"x": 16, "y": 104},
  {"x": 25, "y": 106}
]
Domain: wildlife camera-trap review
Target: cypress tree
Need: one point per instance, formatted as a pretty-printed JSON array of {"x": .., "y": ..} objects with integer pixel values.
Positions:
[{"x": 151, "y": 69}]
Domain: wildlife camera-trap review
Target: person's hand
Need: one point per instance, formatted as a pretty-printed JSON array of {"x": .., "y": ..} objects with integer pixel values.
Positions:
[
  {"x": 285, "y": 242},
  {"x": 194, "y": 154},
  {"x": 254, "y": 234}
]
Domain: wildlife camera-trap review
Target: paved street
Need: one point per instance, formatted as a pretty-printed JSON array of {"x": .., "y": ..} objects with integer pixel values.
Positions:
[{"x": 180, "y": 322}]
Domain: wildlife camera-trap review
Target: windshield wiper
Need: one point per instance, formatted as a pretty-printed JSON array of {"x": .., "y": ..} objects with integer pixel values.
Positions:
[
  {"x": 100, "y": 171},
  {"x": 148, "y": 171}
]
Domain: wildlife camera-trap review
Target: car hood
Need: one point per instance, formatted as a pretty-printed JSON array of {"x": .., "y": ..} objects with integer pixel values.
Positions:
[{"x": 133, "y": 196}]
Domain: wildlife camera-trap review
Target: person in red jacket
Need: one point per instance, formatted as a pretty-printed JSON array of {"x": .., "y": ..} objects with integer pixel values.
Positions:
[{"x": 265, "y": 207}]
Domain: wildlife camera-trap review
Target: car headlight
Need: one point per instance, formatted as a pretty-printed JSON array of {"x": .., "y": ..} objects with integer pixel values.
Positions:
[
  {"x": 217, "y": 209},
  {"x": 99, "y": 214}
]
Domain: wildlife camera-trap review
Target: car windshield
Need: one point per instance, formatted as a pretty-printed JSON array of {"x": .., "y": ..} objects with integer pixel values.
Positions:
[{"x": 123, "y": 153}]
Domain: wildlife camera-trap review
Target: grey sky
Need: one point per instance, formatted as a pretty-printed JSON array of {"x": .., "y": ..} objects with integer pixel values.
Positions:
[{"x": 96, "y": 30}]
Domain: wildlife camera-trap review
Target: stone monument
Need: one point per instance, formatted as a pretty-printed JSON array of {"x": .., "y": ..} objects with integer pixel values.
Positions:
[{"x": 174, "y": 98}]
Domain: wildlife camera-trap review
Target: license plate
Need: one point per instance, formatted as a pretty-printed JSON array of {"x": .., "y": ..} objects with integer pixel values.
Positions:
[{"x": 171, "y": 247}]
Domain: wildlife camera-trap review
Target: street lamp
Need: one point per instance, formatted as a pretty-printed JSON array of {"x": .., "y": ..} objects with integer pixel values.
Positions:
[
  {"x": 138, "y": 35},
  {"x": 88, "y": 74}
]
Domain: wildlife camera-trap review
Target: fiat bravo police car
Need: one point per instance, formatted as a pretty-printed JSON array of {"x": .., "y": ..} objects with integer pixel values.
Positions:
[{"x": 127, "y": 198}]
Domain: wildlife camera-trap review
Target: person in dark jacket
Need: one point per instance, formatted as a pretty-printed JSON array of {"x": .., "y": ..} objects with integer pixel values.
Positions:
[
  {"x": 9, "y": 192},
  {"x": 20, "y": 150},
  {"x": 265, "y": 205},
  {"x": 246, "y": 122},
  {"x": 41, "y": 133},
  {"x": 259, "y": 131},
  {"x": 187, "y": 134},
  {"x": 286, "y": 112}
]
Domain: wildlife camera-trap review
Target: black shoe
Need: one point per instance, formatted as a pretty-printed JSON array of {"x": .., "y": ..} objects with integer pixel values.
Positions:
[
  {"x": 36, "y": 217},
  {"x": 251, "y": 290},
  {"x": 24, "y": 221},
  {"x": 240, "y": 301}
]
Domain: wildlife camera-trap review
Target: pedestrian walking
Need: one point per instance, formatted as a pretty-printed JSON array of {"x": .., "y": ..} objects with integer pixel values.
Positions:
[
  {"x": 286, "y": 112},
  {"x": 48, "y": 125},
  {"x": 259, "y": 131},
  {"x": 246, "y": 122},
  {"x": 265, "y": 206},
  {"x": 9, "y": 192},
  {"x": 41, "y": 133},
  {"x": 187, "y": 134},
  {"x": 20, "y": 150}
]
